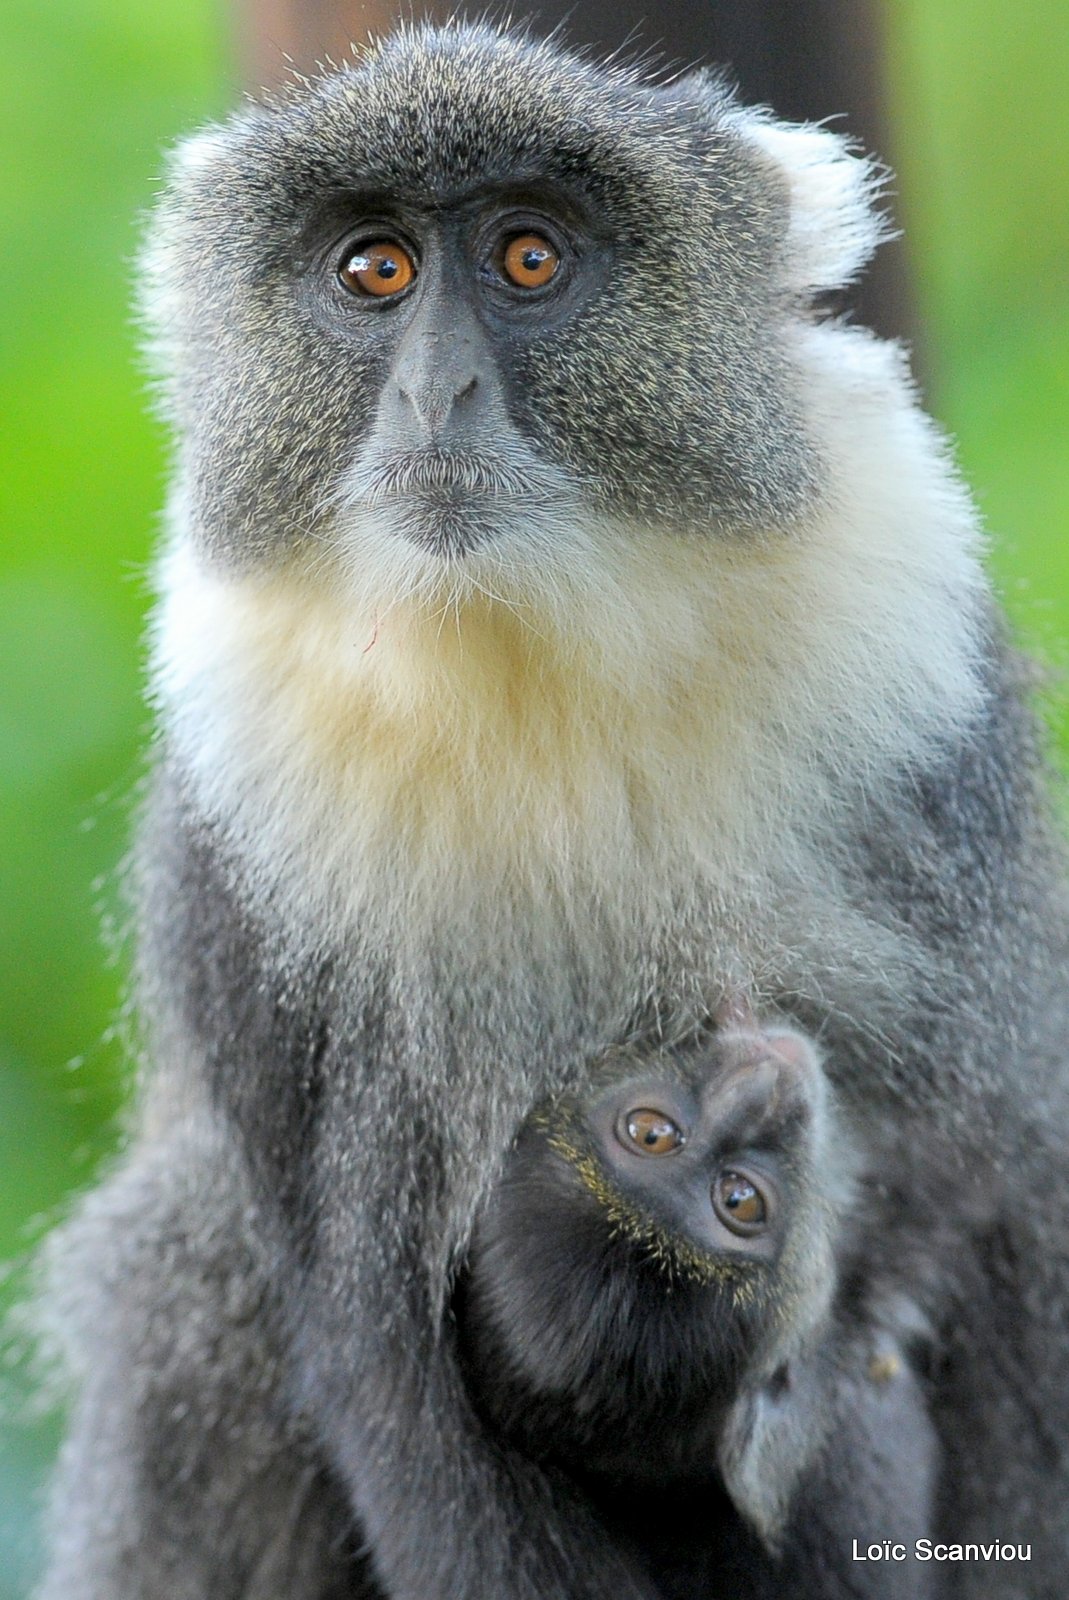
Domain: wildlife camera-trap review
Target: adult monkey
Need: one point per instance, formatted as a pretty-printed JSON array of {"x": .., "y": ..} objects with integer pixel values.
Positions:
[{"x": 561, "y": 625}]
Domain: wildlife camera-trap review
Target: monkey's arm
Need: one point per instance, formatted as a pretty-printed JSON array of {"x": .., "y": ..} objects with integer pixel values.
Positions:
[
  {"x": 844, "y": 1452},
  {"x": 184, "y": 1475},
  {"x": 449, "y": 1511},
  {"x": 338, "y": 1094},
  {"x": 840, "y": 1454}
]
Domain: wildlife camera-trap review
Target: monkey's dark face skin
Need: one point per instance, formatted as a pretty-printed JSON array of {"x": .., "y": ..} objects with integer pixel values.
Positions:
[
  {"x": 703, "y": 1155},
  {"x": 646, "y": 1251},
  {"x": 485, "y": 278},
  {"x": 301, "y": 393}
]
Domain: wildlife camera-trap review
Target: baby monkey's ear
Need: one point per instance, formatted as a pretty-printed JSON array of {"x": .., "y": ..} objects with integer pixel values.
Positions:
[
  {"x": 735, "y": 1018},
  {"x": 792, "y": 1047},
  {"x": 735, "y": 1013},
  {"x": 771, "y": 1435}
]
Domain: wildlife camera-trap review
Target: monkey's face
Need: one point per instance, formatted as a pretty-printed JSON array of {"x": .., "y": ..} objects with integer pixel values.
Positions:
[
  {"x": 469, "y": 300},
  {"x": 717, "y": 1159},
  {"x": 478, "y": 333},
  {"x": 652, "y": 1242},
  {"x": 448, "y": 305}
]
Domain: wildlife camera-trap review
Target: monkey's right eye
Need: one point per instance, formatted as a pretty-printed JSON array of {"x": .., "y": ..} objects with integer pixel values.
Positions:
[
  {"x": 528, "y": 261},
  {"x": 739, "y": 1203},
  {"x": 650, "y": 1133},
  {"x": 379, "y": 268}
]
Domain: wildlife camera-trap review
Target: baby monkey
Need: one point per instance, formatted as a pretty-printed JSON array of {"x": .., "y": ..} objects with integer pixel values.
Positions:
[{"x": 657, "y": 1306}]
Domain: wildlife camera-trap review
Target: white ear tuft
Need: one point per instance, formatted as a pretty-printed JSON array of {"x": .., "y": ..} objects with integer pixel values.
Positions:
[
  {"x": 196, "y": 151},
  {"x": 834, "y": 224}
]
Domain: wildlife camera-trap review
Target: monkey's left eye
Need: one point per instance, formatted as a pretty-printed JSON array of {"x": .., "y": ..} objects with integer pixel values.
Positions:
[
  {"x": 649, "y": 1132},
  {"x": 379, "y": 267},
  {"x": 529, "y": 260},
  {"x": 739, "y": 1203}
]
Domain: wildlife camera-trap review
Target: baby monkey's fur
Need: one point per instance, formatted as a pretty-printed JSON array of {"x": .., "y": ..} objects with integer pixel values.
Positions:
[
  {"x": 681, "y": 1367},
  {"x": 534, "y": 669}
]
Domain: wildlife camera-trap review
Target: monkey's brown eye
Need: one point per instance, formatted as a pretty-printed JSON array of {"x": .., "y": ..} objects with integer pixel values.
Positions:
[
  {"x": 380, "y": 267},
  {"x": 529, "y": 261},
  {"x": 739, "y": 1203},
  {"x": 649, "y": 1132}
]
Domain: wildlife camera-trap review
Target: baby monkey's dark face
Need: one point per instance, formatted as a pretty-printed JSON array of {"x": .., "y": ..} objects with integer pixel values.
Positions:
[
  {"x": 654, "y": 1246},
  {"x": 704, "y": 1153}
]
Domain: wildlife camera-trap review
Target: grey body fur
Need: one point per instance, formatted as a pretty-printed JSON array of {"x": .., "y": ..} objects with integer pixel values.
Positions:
[{"x": 679, "y": 675}]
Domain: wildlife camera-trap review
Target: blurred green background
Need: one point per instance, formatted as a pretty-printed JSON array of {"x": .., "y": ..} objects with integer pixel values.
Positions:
[{"x": 93, "y": 89}]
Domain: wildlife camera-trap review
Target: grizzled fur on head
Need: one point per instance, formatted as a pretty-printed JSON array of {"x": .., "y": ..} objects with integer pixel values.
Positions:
[{"x": 669, "y": 393}]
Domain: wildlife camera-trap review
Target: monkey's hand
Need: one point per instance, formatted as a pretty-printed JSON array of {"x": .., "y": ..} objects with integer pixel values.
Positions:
[{"x": 447, "y": 1512}]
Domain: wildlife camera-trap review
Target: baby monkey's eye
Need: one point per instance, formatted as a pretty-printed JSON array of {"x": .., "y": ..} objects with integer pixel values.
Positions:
[
  {"x": 529, "y": 260},
  {"x": 739, "y": 1203},
  {"x": 379, "y": 267},
  {"x": 649, "y": 1132}
]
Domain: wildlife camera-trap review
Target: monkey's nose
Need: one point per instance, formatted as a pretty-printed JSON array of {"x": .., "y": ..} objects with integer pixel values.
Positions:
[
  {"x": 443, "y": 369},
  {"x": 435, "y": 394}
]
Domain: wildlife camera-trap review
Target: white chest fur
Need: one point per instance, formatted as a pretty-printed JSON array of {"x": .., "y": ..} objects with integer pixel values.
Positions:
[{"x": 666, "y": 714}]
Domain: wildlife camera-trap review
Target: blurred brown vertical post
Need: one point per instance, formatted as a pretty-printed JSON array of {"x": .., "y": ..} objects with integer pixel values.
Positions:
[
  {"x": 808, "y": 59},
  {"x": 272, "y": 35}
]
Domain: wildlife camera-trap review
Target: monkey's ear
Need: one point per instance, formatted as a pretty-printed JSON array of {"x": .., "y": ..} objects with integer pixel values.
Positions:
[
  {"x": 771, "y": 1434},
  {"x": 833, "y": 220},
  {"x": 196, "y": 183},
  {"x": 834, "y": 224}
]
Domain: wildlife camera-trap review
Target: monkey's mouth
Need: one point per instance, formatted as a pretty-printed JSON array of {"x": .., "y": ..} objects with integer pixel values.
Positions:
[
  {"x": 447, "y": 477},
  {"x": 454, "y": 502}
]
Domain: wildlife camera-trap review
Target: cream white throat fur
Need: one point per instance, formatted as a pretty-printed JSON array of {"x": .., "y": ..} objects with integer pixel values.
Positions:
[{"x": 649, "y": 712}]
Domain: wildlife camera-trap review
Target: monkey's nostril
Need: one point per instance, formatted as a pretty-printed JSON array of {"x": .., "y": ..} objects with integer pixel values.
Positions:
[{"x": 433, "y": 402}]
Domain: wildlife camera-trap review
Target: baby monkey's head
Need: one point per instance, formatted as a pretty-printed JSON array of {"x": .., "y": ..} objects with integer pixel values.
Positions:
[{"x": 655, "y": 1245}]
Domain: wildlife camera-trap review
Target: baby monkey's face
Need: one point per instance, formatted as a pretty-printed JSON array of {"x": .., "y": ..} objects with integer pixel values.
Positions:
[
  {"x": 654, "y": 1243},
  {"x": 711, "y": 1149}
]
